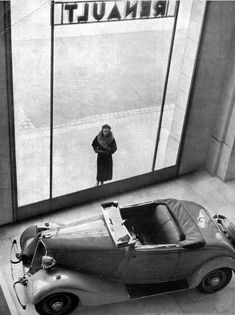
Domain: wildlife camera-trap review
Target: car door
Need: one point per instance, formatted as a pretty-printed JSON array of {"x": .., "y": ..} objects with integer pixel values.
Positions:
[{"x": 151, "y": 263}]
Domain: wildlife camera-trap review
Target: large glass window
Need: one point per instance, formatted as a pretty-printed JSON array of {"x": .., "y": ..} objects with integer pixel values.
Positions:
[
  {"x": 107, "y": 73},
  {"x": 31, "y": 88},
  {"x": 127, "y": 74}
]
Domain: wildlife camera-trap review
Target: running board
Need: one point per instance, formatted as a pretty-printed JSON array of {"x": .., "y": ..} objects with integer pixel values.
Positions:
[{"x": 141, "y": 290}]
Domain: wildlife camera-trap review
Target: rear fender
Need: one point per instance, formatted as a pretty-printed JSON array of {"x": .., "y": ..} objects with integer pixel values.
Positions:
[
  {"x": 91, "y": 290},
  {"x": 216, "y": 263}
]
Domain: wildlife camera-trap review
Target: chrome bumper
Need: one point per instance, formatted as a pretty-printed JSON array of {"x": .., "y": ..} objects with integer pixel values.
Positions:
[{"x": 23, "y": 280}]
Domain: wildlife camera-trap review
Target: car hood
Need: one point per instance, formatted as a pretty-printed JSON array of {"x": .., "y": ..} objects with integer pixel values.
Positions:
[
  {"x": 87, "y": 234},
  {"x": 83, "y": 246}
]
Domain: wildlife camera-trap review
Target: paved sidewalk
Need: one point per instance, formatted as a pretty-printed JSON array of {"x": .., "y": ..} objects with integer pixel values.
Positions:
[{"x": 74, "y": 161}]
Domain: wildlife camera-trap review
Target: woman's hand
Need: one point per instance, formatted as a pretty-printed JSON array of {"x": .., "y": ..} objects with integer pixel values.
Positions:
[{"x": 101, "y": 151}]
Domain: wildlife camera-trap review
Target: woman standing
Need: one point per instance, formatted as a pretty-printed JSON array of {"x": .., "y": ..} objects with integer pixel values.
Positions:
[{"x": 104, "y": 145}]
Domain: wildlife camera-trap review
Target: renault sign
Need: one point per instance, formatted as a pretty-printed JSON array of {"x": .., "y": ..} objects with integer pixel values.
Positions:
[{"x": 78, "y": 12}]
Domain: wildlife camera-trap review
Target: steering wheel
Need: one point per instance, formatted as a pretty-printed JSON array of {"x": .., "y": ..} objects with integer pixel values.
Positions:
[
  {"x": 133, "y": 229},
  {"x": 137, "y": 233}
]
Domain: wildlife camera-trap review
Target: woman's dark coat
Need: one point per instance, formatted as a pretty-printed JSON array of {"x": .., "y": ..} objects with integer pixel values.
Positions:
[{"x": 104, "y": 160}]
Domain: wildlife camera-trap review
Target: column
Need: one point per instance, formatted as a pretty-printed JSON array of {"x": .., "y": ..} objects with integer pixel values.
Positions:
[{"x": 190, "y": 53}]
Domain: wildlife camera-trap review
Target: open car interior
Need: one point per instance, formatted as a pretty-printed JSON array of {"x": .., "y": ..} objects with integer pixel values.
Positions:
[{"x": 151, "y": 224}]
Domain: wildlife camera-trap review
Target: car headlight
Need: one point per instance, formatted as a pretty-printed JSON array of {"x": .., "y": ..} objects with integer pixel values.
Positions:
[{"x": 48, "y": 262}]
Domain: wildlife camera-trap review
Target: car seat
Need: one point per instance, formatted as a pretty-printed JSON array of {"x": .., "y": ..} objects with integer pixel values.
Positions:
[{"x": 158, "y": 227}]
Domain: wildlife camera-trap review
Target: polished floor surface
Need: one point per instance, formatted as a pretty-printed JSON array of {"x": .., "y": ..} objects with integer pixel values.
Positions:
[{"x": 200, "y": 187}]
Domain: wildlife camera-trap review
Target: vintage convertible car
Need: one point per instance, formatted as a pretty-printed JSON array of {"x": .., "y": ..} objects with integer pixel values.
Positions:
[{"x": 125, "y": 253}]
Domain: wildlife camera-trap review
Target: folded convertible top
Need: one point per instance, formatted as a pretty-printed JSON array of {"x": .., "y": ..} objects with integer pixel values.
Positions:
[{"x": 186, "y": 214}]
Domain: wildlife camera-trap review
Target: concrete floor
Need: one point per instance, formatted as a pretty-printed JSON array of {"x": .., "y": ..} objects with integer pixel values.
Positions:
[{"x": 200, "y": 187}]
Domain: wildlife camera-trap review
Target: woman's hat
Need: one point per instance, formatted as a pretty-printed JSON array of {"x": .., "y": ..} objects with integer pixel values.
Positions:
[{"x": 106, "y": 127}]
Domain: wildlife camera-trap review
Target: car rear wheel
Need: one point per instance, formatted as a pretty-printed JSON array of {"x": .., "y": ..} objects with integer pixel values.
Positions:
[
  {"x": 215, "y": 280},
  {"x": 57, "y": 304}
]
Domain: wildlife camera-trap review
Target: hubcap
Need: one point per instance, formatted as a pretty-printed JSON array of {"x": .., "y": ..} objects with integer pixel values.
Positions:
[
  {"x": 59, "y": 303},
  {"x": 57, "y": 306}
]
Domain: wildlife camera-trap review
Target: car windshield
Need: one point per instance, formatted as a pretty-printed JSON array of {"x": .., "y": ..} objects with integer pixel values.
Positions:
[{"x": 116, "y": 225}]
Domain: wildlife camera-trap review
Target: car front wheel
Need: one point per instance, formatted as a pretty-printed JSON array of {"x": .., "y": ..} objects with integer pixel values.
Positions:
[
  {"x": 57, "y": 304},
  {"x": 215, "y": 280}
]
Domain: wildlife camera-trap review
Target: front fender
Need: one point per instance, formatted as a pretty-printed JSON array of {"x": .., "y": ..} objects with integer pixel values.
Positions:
[
  {"x": 216, "y": 263},
  {"x": 91, "y": 290}
]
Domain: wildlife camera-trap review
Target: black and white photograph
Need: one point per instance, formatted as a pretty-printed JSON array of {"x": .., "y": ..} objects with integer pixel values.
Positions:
[{"x": 117, "y": 159}]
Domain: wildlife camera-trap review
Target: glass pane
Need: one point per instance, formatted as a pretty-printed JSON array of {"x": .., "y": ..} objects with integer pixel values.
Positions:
[
  {"x": 31, "y": 83},
  {"x": 107, "y": 73},
  {"x": 186, "y": 41}
]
